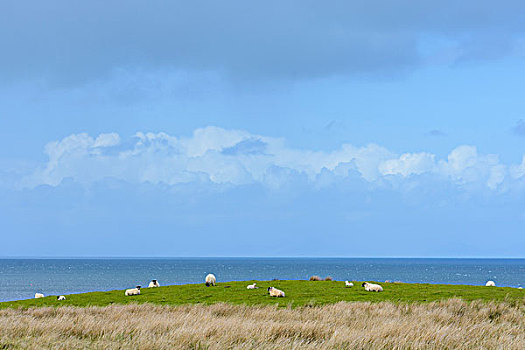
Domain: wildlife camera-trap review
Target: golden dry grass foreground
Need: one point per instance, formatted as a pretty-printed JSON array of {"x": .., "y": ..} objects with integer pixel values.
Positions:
[{"x": 450, "y": 324}]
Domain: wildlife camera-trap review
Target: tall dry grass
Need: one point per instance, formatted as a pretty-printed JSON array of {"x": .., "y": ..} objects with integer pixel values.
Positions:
[{"x": 451, "y": 324}]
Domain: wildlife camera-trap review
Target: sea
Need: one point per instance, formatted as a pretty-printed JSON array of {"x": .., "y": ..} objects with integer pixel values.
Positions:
[{"x": 21, "y": 278}]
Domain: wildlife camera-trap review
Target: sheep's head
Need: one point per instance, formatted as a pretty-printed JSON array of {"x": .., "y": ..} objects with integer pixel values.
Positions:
[
  {"x": 364, "y": 284},
  {"x": 138, "y": 287},
  {"x": 154, "y": 281},
  {"x": 270, "y": 288}
]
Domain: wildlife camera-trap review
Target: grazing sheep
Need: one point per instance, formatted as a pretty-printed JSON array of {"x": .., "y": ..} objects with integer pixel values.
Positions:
[
  {"x": 490, "y": 284},
  {"x": 61, "y": 297},
  {"x": 315, "y": 278},
  {"x": 132, "y": 291},
  {"x": 210, "y": 280},
  {"x": 39, "y": 295},
  {"x": 274, "y": 292},
  {"x": 252, "y": 286},
  {"x": 348, "y": 284},
  {"x": 371, "y": 287},
  {"x": 154, "y": 284}
]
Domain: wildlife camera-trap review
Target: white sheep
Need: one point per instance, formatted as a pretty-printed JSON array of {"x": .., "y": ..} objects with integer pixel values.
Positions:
[
  {"x": 371, "y": 287},
  {"x": 154, "y": 284},
  {"x": 61, "y": 297},
  {"x": 132, "y": 291},
  {"x": 520, "y": 287},
  {"x": 348, "y": 284},
  {"x": 252, "y": 286},
  {"x": 490, "y": 284},
  {"x": 39, "y": 295},
  {"x": 274, "y": 292},
  {"x": 210, "y": 280}
]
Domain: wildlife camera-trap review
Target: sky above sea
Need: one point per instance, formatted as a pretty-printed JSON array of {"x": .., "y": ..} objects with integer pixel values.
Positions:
[{"x": 275, "y": 129}]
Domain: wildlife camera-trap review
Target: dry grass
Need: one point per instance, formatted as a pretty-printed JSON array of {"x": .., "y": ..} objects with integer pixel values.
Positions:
[{"x": 451, "y": 324}]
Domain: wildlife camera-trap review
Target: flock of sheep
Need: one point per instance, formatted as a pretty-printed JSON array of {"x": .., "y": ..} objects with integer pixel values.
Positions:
[
  {"x": 136, "y": 290},
  {"x": 211, "y": 280},
  {"x": 274, "y": 292},
  {"x": 40, "y": 295}
]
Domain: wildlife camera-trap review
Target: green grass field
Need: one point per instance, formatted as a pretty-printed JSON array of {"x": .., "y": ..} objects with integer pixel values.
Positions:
[{"x": 298, "y": 293}]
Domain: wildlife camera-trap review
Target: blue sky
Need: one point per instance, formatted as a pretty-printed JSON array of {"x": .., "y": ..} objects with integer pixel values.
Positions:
[{"x": 280, "y": 129}]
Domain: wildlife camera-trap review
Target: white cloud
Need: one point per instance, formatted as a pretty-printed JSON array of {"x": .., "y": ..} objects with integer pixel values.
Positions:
[
  {"x": 212, "y": 139},
  {"x": 466, "y": 166},
  {"x": 460, "y": 159},
  {"x": 238, "y": 157},
  {"x": 408, "y": 164},
  {"x": 107, "y": 140},
  {"x": 518, "y": 171}
]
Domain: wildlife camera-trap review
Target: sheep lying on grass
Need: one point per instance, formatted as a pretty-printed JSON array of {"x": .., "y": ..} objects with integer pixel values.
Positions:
[
  {"x": 274, "y": 292},
  {"x": 210, "y": 280},
  {"x": 348, "y": 284},
  {"x": 372, "y": 287},
  {"x": 39, "y": 295},
  {"x": 61, "y": 297},
  {"x": 490, "y": 284},
  {"x": 252, "y": 286},
  {"x": 132, "y": 291},
  {"x": 154, "y": 284}
]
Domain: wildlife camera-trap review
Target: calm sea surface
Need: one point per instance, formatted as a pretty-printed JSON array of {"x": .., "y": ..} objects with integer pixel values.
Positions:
[{"x": 21, "y": 278}]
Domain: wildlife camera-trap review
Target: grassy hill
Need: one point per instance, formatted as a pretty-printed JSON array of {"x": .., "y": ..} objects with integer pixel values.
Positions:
[{"x": 298, "y": 293}]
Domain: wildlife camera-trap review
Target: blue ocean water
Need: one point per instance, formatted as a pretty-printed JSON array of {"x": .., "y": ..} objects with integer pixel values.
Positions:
[{"x": 21, "y": 278}]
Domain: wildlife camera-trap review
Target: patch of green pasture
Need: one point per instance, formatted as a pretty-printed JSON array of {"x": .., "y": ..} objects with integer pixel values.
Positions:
[{"x": 298, "y": 293}]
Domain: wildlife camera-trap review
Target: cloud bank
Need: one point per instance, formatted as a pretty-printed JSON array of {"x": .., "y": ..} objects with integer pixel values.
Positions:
[
  {"x": 218, "y": 156},
  {"x": 159, "y": 194},
  {"x": 77, "y": 41}
]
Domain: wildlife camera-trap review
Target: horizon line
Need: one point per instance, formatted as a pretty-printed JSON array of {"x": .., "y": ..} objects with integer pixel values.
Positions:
[{"x": 255, "y": 257}]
